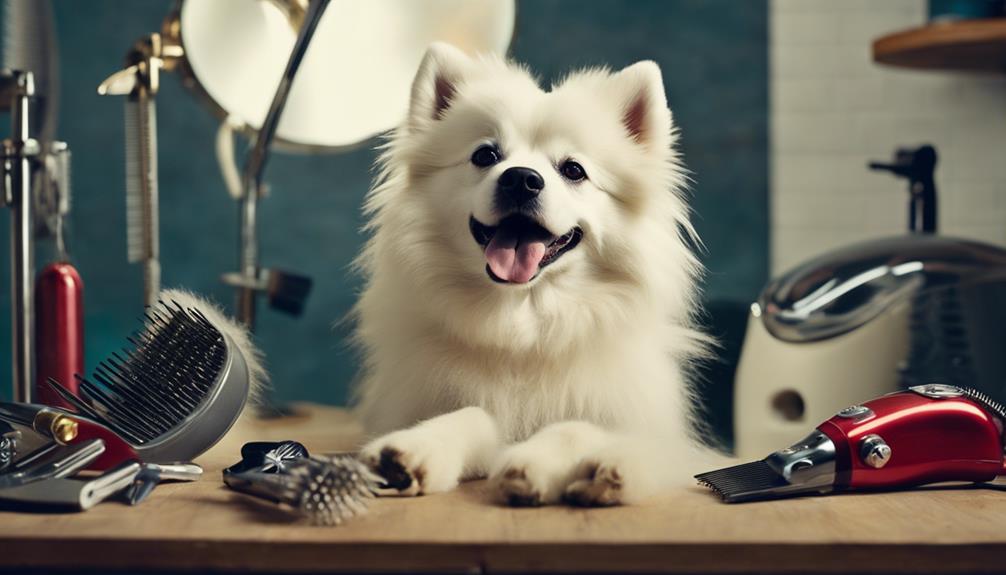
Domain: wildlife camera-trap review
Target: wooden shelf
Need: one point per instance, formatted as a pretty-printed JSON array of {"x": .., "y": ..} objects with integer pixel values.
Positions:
[{"x": 967, "y": 45}]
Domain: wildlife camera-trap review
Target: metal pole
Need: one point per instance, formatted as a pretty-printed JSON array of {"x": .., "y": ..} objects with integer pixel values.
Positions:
[
  {"x": 251, "y": 181},
  {"x": 22, "y": 244},
  {"x": 146, "y": 116}
]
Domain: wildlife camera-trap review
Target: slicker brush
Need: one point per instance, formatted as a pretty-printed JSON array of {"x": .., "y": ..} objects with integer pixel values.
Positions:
[
  {"x": 172, "y": 393},
  {"x": 323, "y": 490},
  {"x": 331, "y": 490}
]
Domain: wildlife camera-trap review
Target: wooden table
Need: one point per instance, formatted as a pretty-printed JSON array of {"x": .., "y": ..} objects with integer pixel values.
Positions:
[{"x": 206, "y": 527}]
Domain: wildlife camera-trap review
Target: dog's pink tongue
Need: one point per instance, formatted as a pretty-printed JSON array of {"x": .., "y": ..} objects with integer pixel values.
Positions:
[{"x": 512, "y": 260}]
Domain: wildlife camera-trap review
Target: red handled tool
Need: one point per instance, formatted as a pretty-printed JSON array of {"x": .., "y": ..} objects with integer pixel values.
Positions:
[
  {"x": 929, "y": 434},
  {"x": 59, "y": 328}
]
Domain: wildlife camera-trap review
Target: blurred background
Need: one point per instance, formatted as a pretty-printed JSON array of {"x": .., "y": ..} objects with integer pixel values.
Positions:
[{"x": 781, "y": 105}]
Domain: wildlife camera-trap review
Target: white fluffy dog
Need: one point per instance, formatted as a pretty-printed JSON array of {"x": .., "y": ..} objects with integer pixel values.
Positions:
[{"x": 530, "y": 290}]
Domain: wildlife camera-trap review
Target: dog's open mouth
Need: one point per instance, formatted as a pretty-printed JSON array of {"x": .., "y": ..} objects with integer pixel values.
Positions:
[{"x": 518, "y": 247}]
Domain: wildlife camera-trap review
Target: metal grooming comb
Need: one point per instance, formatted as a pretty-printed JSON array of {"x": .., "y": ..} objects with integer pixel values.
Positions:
[
  {"x": 142, "y": 217},
  {"x": 139, "y": 82}
]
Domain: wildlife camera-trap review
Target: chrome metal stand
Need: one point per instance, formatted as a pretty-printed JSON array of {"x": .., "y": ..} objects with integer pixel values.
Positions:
[
  {"x": 17, "y": 88},
  {"x": 250, "y": 280}
]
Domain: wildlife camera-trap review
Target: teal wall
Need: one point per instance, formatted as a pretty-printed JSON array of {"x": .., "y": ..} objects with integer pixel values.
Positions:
[{"x": 713, "y": 54}]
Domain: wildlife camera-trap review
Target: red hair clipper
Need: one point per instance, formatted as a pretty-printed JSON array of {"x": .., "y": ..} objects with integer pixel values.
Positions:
[{"x": 929, "y": 434}]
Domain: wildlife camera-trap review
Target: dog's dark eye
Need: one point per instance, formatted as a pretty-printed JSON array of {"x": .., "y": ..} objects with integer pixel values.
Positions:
[
  {"x": 572, "y": 171},
  {"x": 486, "y": 156}
]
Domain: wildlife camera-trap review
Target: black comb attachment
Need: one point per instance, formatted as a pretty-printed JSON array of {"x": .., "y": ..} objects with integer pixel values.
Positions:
[
  {"x": 153, "y": 385},
  {"x": 746, "y": 482},
  {"x": 807, "y": 467}
]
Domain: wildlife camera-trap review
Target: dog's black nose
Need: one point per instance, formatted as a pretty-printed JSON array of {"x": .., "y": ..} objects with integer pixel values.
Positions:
[{"x": 519, "y": 186}]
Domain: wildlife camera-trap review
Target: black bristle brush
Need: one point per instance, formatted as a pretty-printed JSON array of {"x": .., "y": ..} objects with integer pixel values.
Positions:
[
  {"x": 324, "y": 490},
  {"x": 330, "y": 490},
  {"x": 169, "y": 396}
]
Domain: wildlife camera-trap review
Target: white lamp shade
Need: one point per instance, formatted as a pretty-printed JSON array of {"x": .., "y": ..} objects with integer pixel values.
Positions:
[{"x": 355, "y": 78}]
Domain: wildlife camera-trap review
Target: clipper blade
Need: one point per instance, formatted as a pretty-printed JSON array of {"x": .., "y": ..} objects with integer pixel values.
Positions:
[
  {"x": 746, "y": 482},
  {"x": 803, "y": 468}
]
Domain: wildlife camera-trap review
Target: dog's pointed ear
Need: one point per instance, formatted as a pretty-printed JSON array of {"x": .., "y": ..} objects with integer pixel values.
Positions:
[
  {"x": 640, "y": 91},
  {"x": 441, "y": 72}
]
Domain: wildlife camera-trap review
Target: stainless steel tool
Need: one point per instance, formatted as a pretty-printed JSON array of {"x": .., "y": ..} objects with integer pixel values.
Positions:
[
  {"x": 52, "y": 461},
  {"x": 72, "y": 493},
  {"x": 153, "y": 474}
]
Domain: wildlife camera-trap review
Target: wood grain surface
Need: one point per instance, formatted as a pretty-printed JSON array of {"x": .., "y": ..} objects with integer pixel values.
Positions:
[{"x": 204, "y": 526}]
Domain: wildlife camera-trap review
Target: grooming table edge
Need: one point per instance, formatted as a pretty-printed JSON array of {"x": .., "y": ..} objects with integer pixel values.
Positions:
[{"x": 204, "y": 526}]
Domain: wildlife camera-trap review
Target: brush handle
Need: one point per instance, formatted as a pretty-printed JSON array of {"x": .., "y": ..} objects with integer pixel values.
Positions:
[
  {"x": 272, "y": 487},
  {"x": 59, "y": 324}
]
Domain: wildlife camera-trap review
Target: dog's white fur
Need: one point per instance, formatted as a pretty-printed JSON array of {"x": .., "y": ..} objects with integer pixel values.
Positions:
[{"x": 572, "y": 386}]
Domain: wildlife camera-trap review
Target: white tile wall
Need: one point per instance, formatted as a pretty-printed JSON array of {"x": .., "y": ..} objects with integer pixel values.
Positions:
[{"x": 833, "y": 110}]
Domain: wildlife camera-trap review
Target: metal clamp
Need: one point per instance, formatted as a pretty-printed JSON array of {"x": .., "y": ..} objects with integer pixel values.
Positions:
[{"x": 286, "y": 291}]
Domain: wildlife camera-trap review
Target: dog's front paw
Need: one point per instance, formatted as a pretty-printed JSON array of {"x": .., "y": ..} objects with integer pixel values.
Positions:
[
  {"x": 622, "y": 473},
  {"x": 596, "y": 485},
  {"x": 528, "y": 477},
  {"x": 518, "y": 487},
  {"x": 412, "y": 462}
]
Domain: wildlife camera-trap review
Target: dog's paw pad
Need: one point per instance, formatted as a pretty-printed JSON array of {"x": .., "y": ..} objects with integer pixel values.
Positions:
[
  {"x": 516, "y": 490},
  {"x": 602, "y": 487},
  {"x": 392, "y": 466}
]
